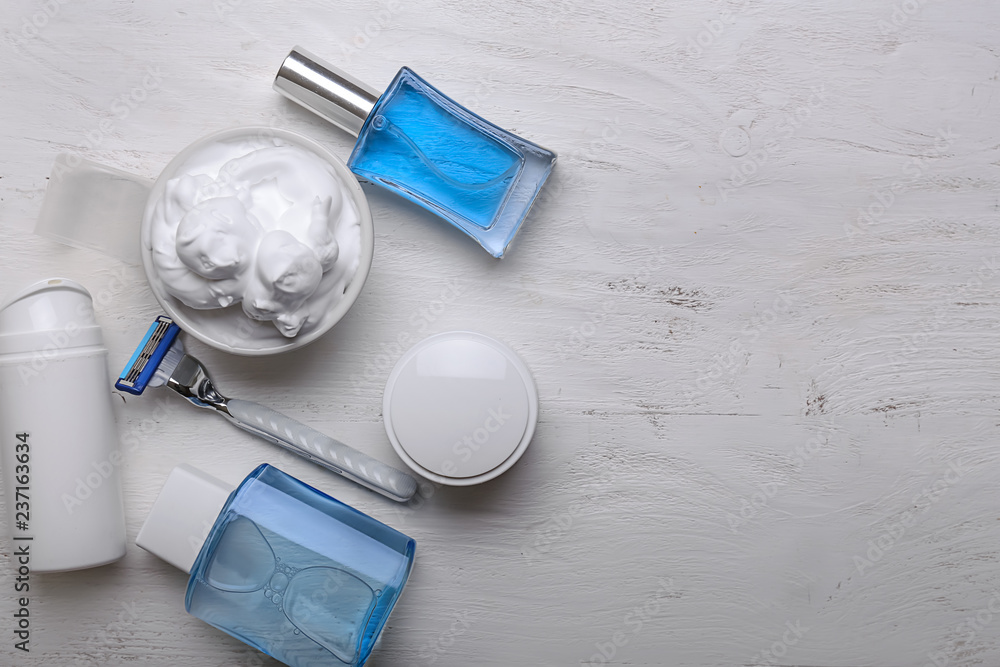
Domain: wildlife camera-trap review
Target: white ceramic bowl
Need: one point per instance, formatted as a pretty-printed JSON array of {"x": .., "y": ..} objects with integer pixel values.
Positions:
[{"x": 229, "y": 329}]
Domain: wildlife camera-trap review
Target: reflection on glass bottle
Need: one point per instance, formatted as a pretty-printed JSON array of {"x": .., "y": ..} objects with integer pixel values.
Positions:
[
  {"x": 296, "y": 573},
  {"x": 417, "y": 142}
]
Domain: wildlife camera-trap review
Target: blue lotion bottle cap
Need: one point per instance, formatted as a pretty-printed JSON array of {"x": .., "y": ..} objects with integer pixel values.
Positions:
[{"x": 183, "y": 515}]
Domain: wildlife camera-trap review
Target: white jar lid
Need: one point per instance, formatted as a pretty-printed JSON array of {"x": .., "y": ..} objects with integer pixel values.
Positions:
[{"x": 460, "y": 408}]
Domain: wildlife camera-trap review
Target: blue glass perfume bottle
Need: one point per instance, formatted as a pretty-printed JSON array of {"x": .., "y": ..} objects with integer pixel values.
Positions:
[
  {"x": 420, "y": 144},
  {"x": 280, "y": 565}
]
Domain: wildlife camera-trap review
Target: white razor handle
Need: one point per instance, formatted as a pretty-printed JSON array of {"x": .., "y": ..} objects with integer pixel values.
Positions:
[{"x": 319, "y": 448}]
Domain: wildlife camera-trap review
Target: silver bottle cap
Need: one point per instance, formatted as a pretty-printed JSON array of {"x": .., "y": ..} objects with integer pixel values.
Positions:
[{"x": 325, "y": 90}]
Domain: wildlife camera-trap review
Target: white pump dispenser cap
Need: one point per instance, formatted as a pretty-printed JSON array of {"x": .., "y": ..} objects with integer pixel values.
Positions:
[{"x": 183, "y": 516}]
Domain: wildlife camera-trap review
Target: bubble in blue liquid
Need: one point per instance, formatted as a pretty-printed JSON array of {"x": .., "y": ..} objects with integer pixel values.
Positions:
[
  {"x": 279, "y": 581},
  {"x": 243, "y": 560},
  {"x": 334, "y": 627}
]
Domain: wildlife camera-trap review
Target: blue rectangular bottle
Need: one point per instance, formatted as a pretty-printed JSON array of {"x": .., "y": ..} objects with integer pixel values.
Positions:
[
  {"x": 283, "y": 567},
  {"x": 420, "y": 144}
]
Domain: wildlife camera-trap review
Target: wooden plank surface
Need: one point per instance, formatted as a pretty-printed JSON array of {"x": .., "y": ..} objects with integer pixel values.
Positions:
[{"x": 759, "y": 299}]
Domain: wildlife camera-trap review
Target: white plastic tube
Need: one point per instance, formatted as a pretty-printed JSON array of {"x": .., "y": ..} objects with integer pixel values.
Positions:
[{"x": 58, "y": 440}]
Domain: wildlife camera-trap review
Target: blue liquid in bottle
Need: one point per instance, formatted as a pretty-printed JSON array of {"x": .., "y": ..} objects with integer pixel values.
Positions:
[
  {"x": 298, "y": 574},
  {"x": 438, "y": 154}
]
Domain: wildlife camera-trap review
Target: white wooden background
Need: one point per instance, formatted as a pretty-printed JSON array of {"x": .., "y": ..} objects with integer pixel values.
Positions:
[{"x": 768, "y": 372}]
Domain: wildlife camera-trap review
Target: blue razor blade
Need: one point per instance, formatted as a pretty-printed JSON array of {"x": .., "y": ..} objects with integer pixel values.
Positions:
[{"x": 147, "y": 357}]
